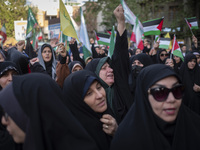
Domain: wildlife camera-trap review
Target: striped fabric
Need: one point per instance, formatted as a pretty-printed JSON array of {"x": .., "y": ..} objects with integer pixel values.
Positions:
[
  {"x": 164, "y": 43},
  {"x": 192, "y": 22},
  {"x": 103, "y": 39},
  {"x": 153, "y": 27}
]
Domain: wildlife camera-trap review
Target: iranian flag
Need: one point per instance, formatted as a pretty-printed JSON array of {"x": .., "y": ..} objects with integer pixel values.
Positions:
[
  {"x": 3, "y": 34},
  {"x": 192, "y": 22},
  {"x": 129, "y": 15},
  {"x": 176, "y": 49},
  {"x": 84, "y": 37},
  {"x": 112, "y": 43},
  {"x": 103, "y": 39},
  {"x": 138, "y": 35},
  {"x": 153, "y": 27},
  {"x": 39, "y": 35},
  {"x": 164, "y": 43}
]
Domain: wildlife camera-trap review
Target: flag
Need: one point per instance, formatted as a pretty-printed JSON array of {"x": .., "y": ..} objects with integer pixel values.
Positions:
[
  {"x": 176, "y": 49},
  {"x": 157, "y": 38},
  {"x": 103, "y": 39},
  {"x": 164, "y": 43},
  {"x": 153, "y": 27},
  {"x": 84, "y": 38},
  {"x": 3, "y": 34},
  {"x": 192, "y": 23},
  {"x": 129, "y": 15},
  {"x": 168, "y": 36},
  {"x": 40, "y": 35},
  {"x": 32, "y": 23},
  {"x": 138, "y": 35},
  {"x": 133, "y": 38},
  {"x": 66, "y": 24},
  {"x": 112, "y": 43}
]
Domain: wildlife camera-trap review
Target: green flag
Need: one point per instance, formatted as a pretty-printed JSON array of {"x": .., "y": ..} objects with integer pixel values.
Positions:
[
  {"x": 112, "y": 42},
  {"x": 32, "y": 23}
]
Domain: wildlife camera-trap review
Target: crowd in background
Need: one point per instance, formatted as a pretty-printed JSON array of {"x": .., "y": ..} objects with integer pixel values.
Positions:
[{"x": 54, "y": 99}]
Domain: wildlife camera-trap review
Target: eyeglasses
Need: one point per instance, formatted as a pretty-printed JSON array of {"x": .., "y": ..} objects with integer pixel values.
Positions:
[
  {"x": 160, "y": 94},
  {"x": 164, "y": 55}
]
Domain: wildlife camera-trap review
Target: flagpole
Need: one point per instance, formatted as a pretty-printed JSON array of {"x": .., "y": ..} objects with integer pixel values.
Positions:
[
  {"x": 189, "y": 27},
  {"x": 172, "y": 47}
]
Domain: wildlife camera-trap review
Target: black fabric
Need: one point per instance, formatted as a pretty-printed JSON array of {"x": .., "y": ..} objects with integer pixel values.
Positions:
[
  {"x": 7, "y": 65},
  {"x": 71, "y": 65},
  {"x": 51, "y": 126},
  {"x": 191, "y": 77},
  {"x": 74, "y": 90},
  {"x": 75, "y": 53},
  {"x": 29, "y": 49},
  {"x": 177, "y": 66},
  {"x": 158, "y": 60},
  {"x": 118, "y": 95},
  {"x": 19, "y": 59},
  {"x": 146, "y": 61},
  {"x": 139, "y": 129},
  {"x": 6, "y": 141}
]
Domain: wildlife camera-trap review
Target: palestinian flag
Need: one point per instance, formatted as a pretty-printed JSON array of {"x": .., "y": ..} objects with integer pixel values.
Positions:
[
  {"x": 192, "y": 22},
  {"x": 153, "y": 27},
  {"x": 176, "y": 49},
  {"x": 103, "y": 39},
  {"x": 3, "y": 34},
  {"x": 164, "y": 43}
]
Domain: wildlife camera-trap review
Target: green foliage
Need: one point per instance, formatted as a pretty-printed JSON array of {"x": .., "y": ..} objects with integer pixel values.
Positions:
[{"x": 12, "y": 10}]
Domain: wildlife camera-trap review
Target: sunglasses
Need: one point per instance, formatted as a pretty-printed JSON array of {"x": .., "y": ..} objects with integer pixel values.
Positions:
[
  {"x": 160, "y": 94},
  {"x": 164, "y": 55}
]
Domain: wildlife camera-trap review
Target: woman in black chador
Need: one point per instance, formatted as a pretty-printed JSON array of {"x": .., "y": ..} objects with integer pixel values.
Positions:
[
  {"x": 36, "y": 116},
  {"x": 86, "y": 99},
  {"x": 158, "y": 120},
  {"x": 190, "y": 74}
]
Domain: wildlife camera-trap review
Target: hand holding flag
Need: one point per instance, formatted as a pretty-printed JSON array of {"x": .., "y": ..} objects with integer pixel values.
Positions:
[{"x": 176, "y": 49}]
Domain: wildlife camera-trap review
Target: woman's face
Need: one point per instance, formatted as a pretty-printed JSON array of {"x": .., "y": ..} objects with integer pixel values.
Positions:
[
  {"x": 137, "y": 63},
  {"x": 177, "y": 59},
  {"x": 166, "y": 110},
  {"x": 7, "y": 77},
  {"x": 191, "y": 64},
  {"x": 13, "y": 129},
  {"x": 106, "y": 74},
  {"x": 47, "y": 54},
  {"x": 138, "y": 51},
  {"x": 95, "y": 97},
  {"x": 1, "y": 58},
  {"x": 163, "y": 55},
  {"x": 77, "y": 68},
  {"x": 169, "y": 62}
]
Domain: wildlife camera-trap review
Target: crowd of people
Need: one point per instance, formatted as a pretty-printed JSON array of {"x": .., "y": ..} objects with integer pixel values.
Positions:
[{"x": 137, "y": 99}]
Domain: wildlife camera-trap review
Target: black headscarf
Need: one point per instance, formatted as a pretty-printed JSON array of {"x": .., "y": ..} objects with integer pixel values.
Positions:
[
  {"x": 142, "y": 129},
  {"x": 189, "y": 78},
  {"x": 158, "y": 56},
  {"x": 95, "y": 66},
  {"x": 177, "y": 66},
  {"x": 48, "y": 124},
  {"x": 7, "y": 65},
  {"x": 74, "y": 90},
  {"x": 19, "y": 59},
  {"x": 73, "y": 63},
  {"x": 146, "y": 61}
]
